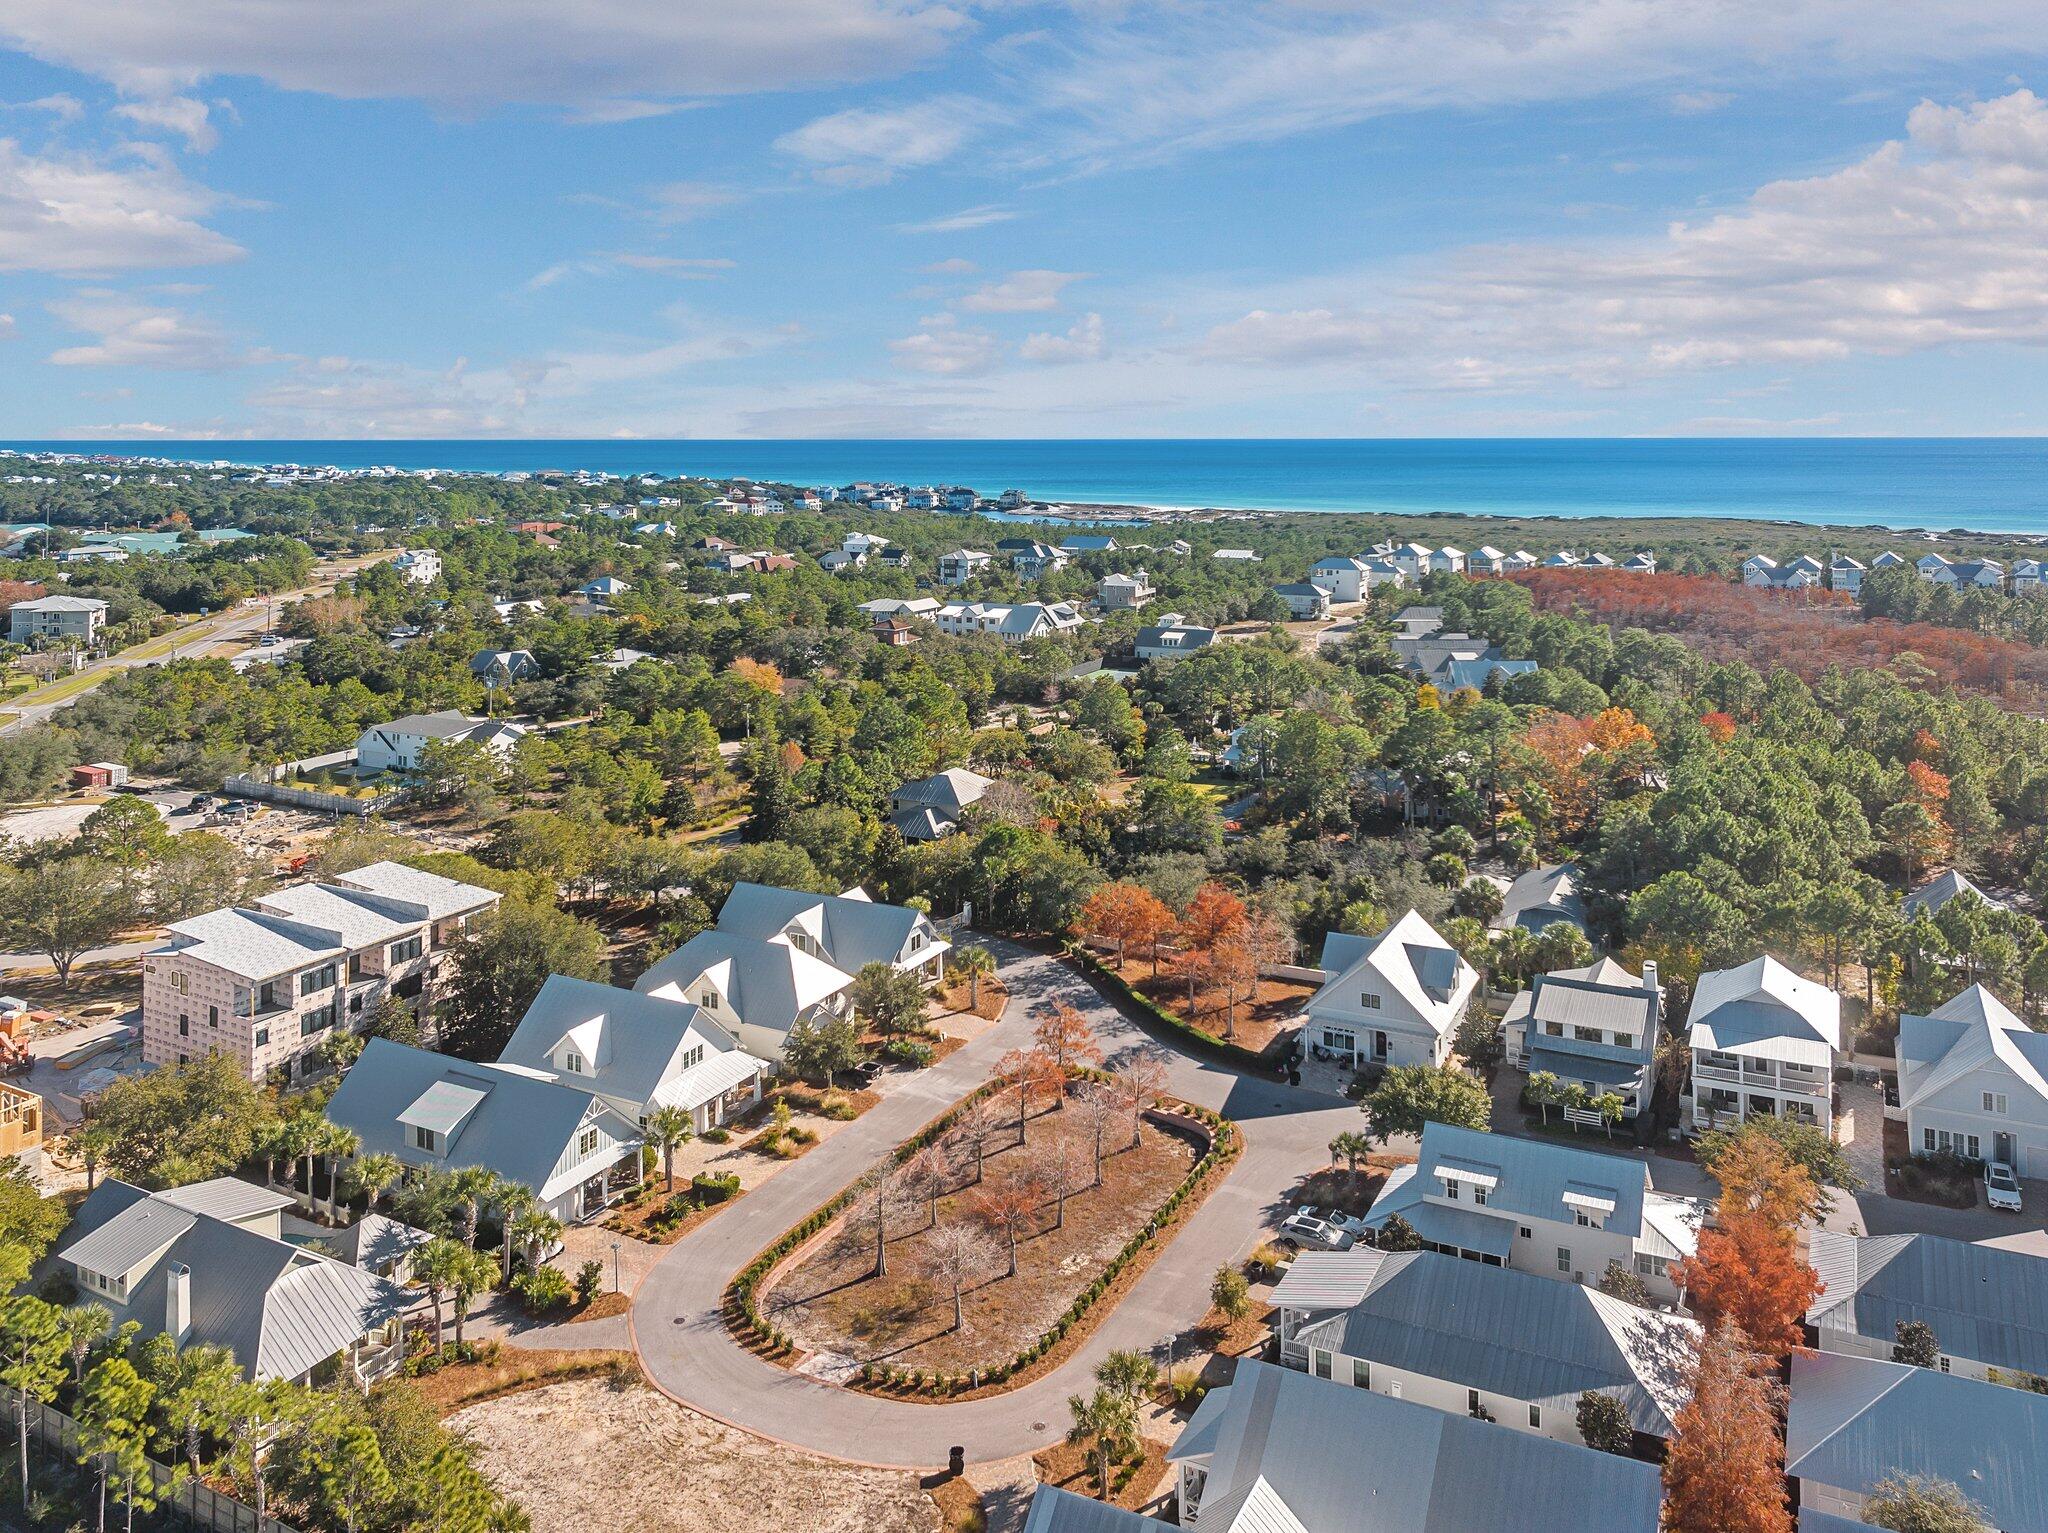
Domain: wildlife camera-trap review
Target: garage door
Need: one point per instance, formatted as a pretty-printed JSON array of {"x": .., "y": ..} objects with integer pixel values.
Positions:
[{"x": 2037, "y": 1163}]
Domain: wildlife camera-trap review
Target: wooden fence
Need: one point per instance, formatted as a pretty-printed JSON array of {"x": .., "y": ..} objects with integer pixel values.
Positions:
[
  {"x": 176, "y": 1493},
  {"x": 243, "y": 786}
]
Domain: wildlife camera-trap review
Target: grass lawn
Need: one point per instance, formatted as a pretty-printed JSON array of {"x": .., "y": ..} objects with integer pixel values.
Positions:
[{"x": 831, "y": 1304}]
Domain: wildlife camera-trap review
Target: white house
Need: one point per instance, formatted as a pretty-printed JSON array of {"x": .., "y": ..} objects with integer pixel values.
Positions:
[
  {"x": 1411, "y": 559},
  {"x": 1447, "y": 561},
  {"x": 1846, "y": 575},
  {"x": 1764, "y": 1041},
  {"x": 1987, "y": 1306},
  {"x": 1540, "y": 1206},
  {"x": 1973, "y": 1079},
  {"x": 1965, "y": 574},
  {"x": 961, "y": 566},
  {"x": 1473, "y": 1339},
  {"x": 1394, "y": 999},
  {"x": 432, "y": 1112},
  {"x": 1304, "y": 600},
  {"x": 82, "y": 618},
  {"x": 1123, "y": 593},
  {"x": 778, "y": 957},
  {"x": 1596, "y": 1028},
  {"x": 885, "y": 607},
  {"x": 1521, "y": 559},
  {"x": 603, "y": 588},
  {"x": 1342, "y": 577},
  {"x": 2029, "y": 577},
  {"x": 1236, "y": 556},
  {"x": 1172, "y": 641},
  {"x": 1275, "y": 1451},
  {"x": 419, "y": 566},
  {"x": 1487, "y": 560},
  {"x": 1642, "y": 562},
  {"x": 1563, "y": 559},
  {"x": 640, "y": 1053},
  {"x": 396, "y": 746}
]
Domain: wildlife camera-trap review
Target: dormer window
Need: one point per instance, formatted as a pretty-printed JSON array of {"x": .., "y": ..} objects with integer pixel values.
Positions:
[
  {"x": 425, "y": 1139},
  {"x": 1590, "y": 1221},
  {"x": 573, "y": 1062}
]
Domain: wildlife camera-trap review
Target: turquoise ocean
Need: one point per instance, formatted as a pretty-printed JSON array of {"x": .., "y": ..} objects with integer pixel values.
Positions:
[{"x": 1975, "y": 484}]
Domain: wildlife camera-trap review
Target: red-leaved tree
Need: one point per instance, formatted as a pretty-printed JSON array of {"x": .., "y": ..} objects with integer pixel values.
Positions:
[{"x": 1725, "y": 1470}]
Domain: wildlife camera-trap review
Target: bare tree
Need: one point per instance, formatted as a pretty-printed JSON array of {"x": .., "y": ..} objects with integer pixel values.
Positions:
[
  {"x": 1009, "y": 1208},
  {"x": 1031, "y": 1072},
  {"x": 1098, "y": 1109},
  {"x": 1064, "y": 1035},
  {"x": 881, "y": 1198},
  {"x": 926, "y": 1174},
  {"x": 971, "y": 1131},
  {"x": 1141, "y": 1080},
  {"x": 953, "y": 1256},
  {"x": 1055, "y": 1168}
]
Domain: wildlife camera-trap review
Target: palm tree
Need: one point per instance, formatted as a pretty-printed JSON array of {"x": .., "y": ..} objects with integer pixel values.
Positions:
[
  {"x": 471, "y": 1188},
  {"x": 475, "y": 1273},
  {"x": 434, "y": 1268},
  {"x": 293, "y": 1141},
  {"x": 666, "y": 1129},
  {"x": 1351, "y": 1147},
  {"x": 84, "y": 1326},
  {"x": 974, "y": 962},
  {"x": 92, "y": 1142},
  {"x": 514, "y": 1201},
  {"x": 337, "y": 1144},
  {"x": 1106, "y": 1421},
  {"x": 374, "y": 1175},
  {"x": 534, "y": 1230}
]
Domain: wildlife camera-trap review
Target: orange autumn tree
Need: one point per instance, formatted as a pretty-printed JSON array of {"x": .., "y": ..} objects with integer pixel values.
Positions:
[
  {"x": 1719, "y": 726},
  {"x": 1748, "y": 1270},
  {"x": 1064, "y": 1036},
  {"x": 1214, "y": 916},
  {"x": 1128, "y": 915},
  {"x": 1725, "y": 1469},
  {"x": 1585, "y": 760}
]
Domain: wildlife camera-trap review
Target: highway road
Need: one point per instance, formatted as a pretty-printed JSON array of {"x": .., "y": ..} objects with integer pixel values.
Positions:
[{"x": 191, "y": 641}]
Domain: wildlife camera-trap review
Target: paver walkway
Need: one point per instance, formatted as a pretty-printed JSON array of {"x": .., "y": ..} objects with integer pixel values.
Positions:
[{"x": 686, "y": 1350}]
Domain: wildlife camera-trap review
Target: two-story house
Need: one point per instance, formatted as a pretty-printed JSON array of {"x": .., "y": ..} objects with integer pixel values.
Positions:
[
  {"x": 267, "y": 983},
  {"x": 418, "y": 566},
  {"x": 1304, "y": 599},
  {"x": 1394, "y": 999},
  {"x": 961, "y": 566},
  {"x": 1541, "y": 897},
  {"x": 44, "y": 618},
  {"x": 1973, "y": 1080},
  {"x": 399, "y": 745},
  {"x": 1596, "y": 1028},
  {"x": 1505, "y": 1346},
  {"x": 1987, "y": 1306},
  {"x": 1538, "y": 1206},
  {"x": 640, "y": 1053},
  {"x": 1764, "y": 1041},
  {"x": 1172, "y": 641},
  {"x": 778, "y": 957},
  {"x": 1275, "y": 1451},
  {"x": 1030, "y": 558},
  {"x": 1123, "y": 593},
  {"x": 1342, "y": 577},
  {"x": 434, "y": 1113},
  {"x": 207, "y": 1264}
]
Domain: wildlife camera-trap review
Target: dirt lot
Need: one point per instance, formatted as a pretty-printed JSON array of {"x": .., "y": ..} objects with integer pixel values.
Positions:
[
  {"x": 831, "y": 1306},
  {"x": 1274, "y": 1009},
  {"x": 584, "y": 1457}
]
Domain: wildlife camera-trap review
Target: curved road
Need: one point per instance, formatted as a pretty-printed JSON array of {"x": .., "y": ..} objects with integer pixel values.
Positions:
[{"x": 686, "y": 1350}]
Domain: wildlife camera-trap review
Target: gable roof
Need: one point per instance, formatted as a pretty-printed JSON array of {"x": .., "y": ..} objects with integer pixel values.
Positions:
[
  {"x": 1516, "y": 1334},
  {"x": 1939, "y": 890},
  {"x": 951, "y": 790},
  {"x": 1965, "y": 1033},
  {"x": 632, "y": 1043},
  {"x": 1762, "y": 1008},
  {"x": 1061, "y": 1511},
  {"x": 1856, "y": 1421},
  {"x": 1984, "y": 1303},
  {"x": 770, "y": 984},
  {"x": 1536, "y": 1177},
  {"x": 495, "y": 1115},
  {"x": 437, "y": 895},
  {"x": 857, "y": 932},
  {"x": 254, "y": 944},
  {"x": 1341, "y": 1458},
  {"x": 1423, "y": 969},
  {"x": 1542, "y": 895}
]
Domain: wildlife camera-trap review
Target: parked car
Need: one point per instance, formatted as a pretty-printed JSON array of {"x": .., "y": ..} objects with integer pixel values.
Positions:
[
  {"x": 1306, "y": 1230},
  {"x": 2001, "y": 1187}
]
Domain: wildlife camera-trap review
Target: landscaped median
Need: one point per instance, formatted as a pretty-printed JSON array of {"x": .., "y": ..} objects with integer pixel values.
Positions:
[
  {"x": 1119, "y": 989},
  {"x": 982, "y": 1277}
]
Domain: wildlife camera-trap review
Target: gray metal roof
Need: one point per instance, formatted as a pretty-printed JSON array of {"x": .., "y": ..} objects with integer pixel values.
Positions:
[
  {"x": 128, "y": 1237},
  {"x": 1349, "y": 1459},
  {"x": 439, "y": 896},
  {"x": 1534, "y": 1174},
  {"x": 1541, "y": 896},
  {"x": 768, "y": 983},
  {"x": 632, "y": 1043},
  {"x": 857, "y": 932},
  {"x": 950, "y": 791},
  {"x": 1986, "y": 1304},
  {"x": 1938, "y": 891},
  {"x": 442, "y": 1107},
  {"x": 375, "y": 1241},
  {"x": 226, "y": 1197},
  {"x": 1328, "y": 1279},
  {"x": 1515, "y": 1334},
  {"x": 1856, "y": 1421},
  {"x": 1060, "y": 1511}
]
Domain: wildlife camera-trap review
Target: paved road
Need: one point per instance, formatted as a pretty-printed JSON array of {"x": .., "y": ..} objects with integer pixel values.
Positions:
[
  {"x": 686, "y": 1349},
  {"x": 194, "y": 639}
]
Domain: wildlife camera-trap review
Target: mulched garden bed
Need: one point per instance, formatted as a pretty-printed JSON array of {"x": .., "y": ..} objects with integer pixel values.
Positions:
[
  {"x": 508, "y": 1370},
  {"x": 1275, "y": 1008},
  {"x": 1070, "y": 1466},
  {"x": 1349, "y": 1192}
]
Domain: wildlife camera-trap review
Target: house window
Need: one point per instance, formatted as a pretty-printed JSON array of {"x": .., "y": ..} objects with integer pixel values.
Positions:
[
  {"x": 1994, "y": 1102},
  {"x": 710, "y": 999},
  {"x": 406, "y": 951},
  {"x": 1361, "y": 1373},
  {"x": 586, "y": 1142},
  {"x": 184, "y": 1025},
  {"x": 1479, "y": 1195},
  {"x": 321, "y": 978},
  {"x": 1369, "y": 1001},
  {"x": 1590, "y": 1221},
  {"x": 182, "y": 983},
  {"x": 1587, "y": 1034},
  {"x": 425, "y": 1139},
  {"x": 262, "y": 1036},
  {"x": 1472, "y": 1405},
  {"x": 1451, "y": 1191},
  {"x": 1527, "y": 1233},
  {"x": 1536, "y": 1418},
  {"x": 213, "y": 1016},
  {"x": 1321, "y": 1360},
  {"x": 1564, "y": 1258},
  {"x": 184, "y": 1059},
  {"x": 1553, "y": 1029},
  {"x": 572, "y": 1062},
  {"x": 1652, "y": 1266},
  {"x": 1975, "y": 1152}
]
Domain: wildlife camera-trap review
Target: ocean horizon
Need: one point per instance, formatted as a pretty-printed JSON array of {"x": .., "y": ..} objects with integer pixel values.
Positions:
[{"x": 1977, "y": 484}]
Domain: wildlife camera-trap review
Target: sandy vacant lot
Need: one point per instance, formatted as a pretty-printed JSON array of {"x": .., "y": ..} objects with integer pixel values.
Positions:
[{"x": 584, "y": 1457}]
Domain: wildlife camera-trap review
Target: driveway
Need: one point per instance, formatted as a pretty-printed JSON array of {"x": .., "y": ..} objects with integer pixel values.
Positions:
[{"x": 684, "y": 1345}]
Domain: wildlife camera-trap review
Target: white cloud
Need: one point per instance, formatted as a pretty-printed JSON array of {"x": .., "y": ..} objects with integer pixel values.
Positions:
[
  {"x": 955, "y": 266},
  {"x": 945, "y": 348},
  {"x": 1083, "y": 342},
  {"x": 866, "y": 146},
  {"x": 610, "y": 263},
  {"x": 597, "y": 55},
  {"x": 1022, "y": 292},
  {"x": 62, "y": 106},
  {"x": 1696, "y": 103},
  {"x": 76, "y": 215},
  {"x": 960, "y": 222},
  {"x": 128, "y": 332},
  {"x": 185, "y": 116},
  {"x": 6, "y": 326},
  {"x": 678, "y": 202},
  {"x": 1937, "y": 240}
]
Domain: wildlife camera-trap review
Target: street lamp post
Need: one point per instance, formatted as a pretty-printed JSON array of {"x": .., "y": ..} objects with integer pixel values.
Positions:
[{"x": 615, "y": 1268}]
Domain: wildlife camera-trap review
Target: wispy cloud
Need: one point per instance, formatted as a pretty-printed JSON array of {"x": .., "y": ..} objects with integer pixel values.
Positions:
[
  {"x": 62, "y": 106},
  {"x": 866, "y": 146},
  {"x": 186, "y": 116},
  {"x": 1083, "y": 342},
  {"x": 1022, "y": 292},
  {"x": 128, "y": 332},
  {"x": 678, "y": 202},
  {"x": 960, "y": 222},
  {"x": 611, "y": 263},
  {"x": 944, "y": 347}
]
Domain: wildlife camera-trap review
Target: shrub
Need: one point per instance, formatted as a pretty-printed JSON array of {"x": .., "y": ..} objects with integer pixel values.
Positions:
[
  {"x": 1265, "y": 1261},
  {"x": 907, "y": 1051},
  {"x": 709, "y": 1189},
  {"x": 541, "y": 1289},
  {"x": 716, "y": 1135},
  {"x": 589, "y": 1281},
  {"x": 836, "y": 1107}
]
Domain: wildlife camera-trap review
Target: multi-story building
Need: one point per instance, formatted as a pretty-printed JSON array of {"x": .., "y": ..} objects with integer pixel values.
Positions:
[
  {"x": 267, "y": 983},
  {"x": 1123, "y": 593},
  {"x": 1763, "y": 1042},
  {"x": 1595, "y": 1028},
  {"x": 82, "y": 618},
  {"x": 419, "y": 566}
]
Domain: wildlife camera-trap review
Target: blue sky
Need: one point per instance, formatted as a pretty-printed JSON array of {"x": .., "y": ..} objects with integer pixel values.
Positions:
[{"x": 1104, "y": 218}]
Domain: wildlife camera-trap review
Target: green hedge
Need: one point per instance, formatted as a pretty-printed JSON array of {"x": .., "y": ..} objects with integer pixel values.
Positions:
[
  {"x": 743, "y": 1314},
  {"x": 1108, "y": 979}
]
